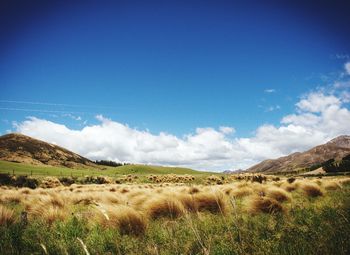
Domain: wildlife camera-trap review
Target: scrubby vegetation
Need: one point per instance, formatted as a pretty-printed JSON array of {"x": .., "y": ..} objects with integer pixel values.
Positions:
[{"x": 240, "y": 215}]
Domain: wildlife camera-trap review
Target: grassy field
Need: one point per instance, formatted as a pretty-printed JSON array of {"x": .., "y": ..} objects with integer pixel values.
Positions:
[
  {"x": 26, "y": 169},
  {"x": 303, "y": 216}
]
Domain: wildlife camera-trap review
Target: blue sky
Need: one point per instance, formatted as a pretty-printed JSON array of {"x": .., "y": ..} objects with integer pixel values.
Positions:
[{"x": 168, "y": 66}]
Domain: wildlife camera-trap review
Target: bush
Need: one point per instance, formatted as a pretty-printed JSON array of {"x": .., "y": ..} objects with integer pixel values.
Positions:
[
  {"x": 5, "y": 179},
  {"x": 67, "y": 181},
  {"x": 24, "y": 181}
]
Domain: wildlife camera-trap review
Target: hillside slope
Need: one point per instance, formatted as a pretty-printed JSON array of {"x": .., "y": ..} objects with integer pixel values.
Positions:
[
  {"x": 42, "y": 158},
  {"x": 335, "y": 149},
  {"x": 24, "y": 149}
]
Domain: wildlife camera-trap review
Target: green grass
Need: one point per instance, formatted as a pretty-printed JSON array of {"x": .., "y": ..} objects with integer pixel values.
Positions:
[{"x": 27, "y": 169}]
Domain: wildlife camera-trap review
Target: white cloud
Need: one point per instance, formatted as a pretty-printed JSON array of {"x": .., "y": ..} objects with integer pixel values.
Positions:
[
  {"x": 319, "y": 117},
  {"x": 347, "y": 67},
  {"x": 317, "y": 102},
  {"x": 269, "y": 90},
  {"x": 227, "y": 130}
]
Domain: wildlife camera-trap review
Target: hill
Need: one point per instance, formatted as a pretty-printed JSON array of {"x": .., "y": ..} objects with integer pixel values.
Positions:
[
  {"x": 21, "y": 154},
  {"x": 24, "y": 149},
  {"x": 335, "y": 149},
  {"x": 45, "y": 170}
]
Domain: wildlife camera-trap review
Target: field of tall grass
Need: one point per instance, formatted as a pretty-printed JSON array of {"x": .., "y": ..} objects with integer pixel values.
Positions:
[{"x": 279, "y": 216}]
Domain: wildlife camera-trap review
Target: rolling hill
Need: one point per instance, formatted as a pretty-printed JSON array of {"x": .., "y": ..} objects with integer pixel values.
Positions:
[
  {"x": 24, "y": 149},
  {"x": 335, "y": 149},
  {"x": 22, "y": 154}
]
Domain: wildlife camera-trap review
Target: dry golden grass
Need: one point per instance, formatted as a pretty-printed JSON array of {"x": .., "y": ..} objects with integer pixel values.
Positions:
[
  {"x": 6, "y": 216},
  {"x": 126, "y": 219},
  {"x": 50, "y": 182},
  {"x": 12, "y": 196},
  {"x": 331, "y": 185},
  {"x": 311, "y": 189},
  {"x": 241, "y": 192},
  {"x": 345, "y": 181},
  {"x": 278, "y": 194},
  {"x": 129, "y": 206},
  {"x": 213, "y": 202},
  {"x": 258, "y": 204},
  {"x": 188, "y": 202},
  {"x": 193, "y": 190},
  {"x": 163, "y": 206},
  {"x": 288, "y": 187}
]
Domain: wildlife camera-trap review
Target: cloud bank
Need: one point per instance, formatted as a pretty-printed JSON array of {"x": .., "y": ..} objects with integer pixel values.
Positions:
[{"x": 318, "y": 118}]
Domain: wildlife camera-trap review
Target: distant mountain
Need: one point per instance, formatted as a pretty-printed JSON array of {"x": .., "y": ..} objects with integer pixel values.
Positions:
[
  {"x": 25, "y": 149},
  {"x": 335, "y": 149}
]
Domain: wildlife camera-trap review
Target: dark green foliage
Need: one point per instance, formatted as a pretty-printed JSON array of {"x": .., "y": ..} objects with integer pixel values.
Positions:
[
  {"x": 5, "y": 179},
  {"x": 25, "y": 181},
  {"x": 18, "y": 181},
  {"x": 95, "y": 180},
  {"x": 332, "y": 166},
  {"x": 67, "y": 181},
  {"x": 110, "y": 163}
]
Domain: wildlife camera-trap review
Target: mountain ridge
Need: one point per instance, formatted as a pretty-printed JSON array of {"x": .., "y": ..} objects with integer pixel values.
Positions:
[{"x": 336, "y": 148}]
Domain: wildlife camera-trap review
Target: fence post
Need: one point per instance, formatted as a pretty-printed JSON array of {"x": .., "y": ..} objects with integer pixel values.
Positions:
[{"x": 31, "y": 172}]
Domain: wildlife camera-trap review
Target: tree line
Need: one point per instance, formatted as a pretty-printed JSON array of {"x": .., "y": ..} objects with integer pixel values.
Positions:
[{"x": 110, "y": 163}]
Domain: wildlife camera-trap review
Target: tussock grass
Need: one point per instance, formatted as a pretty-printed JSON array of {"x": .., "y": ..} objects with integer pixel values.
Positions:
[
  {"x": 311, "y": 189},
  {"x": 345, "y": 181},
  {"x": 289, "y": 187},
  {"x": 241, "y": 192},
  {"x": 278, "y": 194},
  {"x": 213, "y": 202},
  {"x": 193, "y": 190},
  {"x": 188, "y": 202},
  {"x": 258, "y": 204},
  {"x": 12, "y": 197},
  {"x": 126, "y": 219},
  {"x": 164, "y": 206},
  {"x": 174, "y": 221},
  {"x": 6, "y": 216},
  {"x": 331, "y": 185}
]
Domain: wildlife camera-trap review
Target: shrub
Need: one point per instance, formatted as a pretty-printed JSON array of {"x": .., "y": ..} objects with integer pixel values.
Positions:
[
  {"x": 5, "y": 179},
  {"x": 67, "y": 181}
]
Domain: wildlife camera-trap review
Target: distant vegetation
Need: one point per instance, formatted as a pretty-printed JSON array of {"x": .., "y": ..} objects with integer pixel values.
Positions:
[
  {"x": 110, "y": 163},
  {"x": 333, "y": 166}
]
